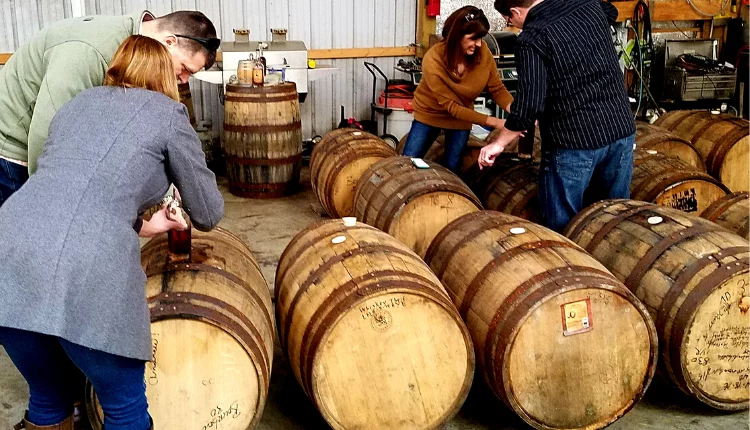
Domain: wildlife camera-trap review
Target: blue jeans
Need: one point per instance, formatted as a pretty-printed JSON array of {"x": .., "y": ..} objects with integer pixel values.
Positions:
[
  {"x": 12, "y": 176},
  {"x": 422, "y": 135},
  {"x": 571, "y": 179},
  {"x": 50, "y": 366}
]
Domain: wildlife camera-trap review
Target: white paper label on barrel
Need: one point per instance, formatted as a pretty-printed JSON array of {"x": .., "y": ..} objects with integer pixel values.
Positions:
[
  {"x": 357, "y": 133},
  {"x": 651, "y": 151},
  {"x": 655, "y": 220},
  {"x": 349, "y": 221},
  {"x": 338, "y": 239},
  {"x": 517, "y": 230}
]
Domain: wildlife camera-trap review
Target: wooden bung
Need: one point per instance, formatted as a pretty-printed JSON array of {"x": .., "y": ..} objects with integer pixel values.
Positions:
[
  {"x": 722, "y": 140},
  {"x": 338, "y": 161},
  {"x": 668, "y": 181},
  {"x": 557, "y": 337},
  {"x": 212, "y": 336},
  {"x": 370, "y": 333},
  {"x": 409, "y": 203},
  {"x": 693, "y": 276},
  {"x": 262, "y": 140},
  {"x": 731, "y": 212}
]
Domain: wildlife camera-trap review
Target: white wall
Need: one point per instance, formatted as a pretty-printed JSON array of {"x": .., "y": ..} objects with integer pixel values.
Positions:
[{"x": 321, "y": 24}]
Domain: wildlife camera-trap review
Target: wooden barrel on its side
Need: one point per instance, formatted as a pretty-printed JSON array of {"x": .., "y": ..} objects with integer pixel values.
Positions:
[
  {"x": 670, "y": 182},
  {"x": 731, "y": 212},
  {"x": 722, "y": 140},
  {"x": 651, "y": 137},
  {"x": 370, "y": 333},
  {"x": 694, "y": 277},
  {"x": 409, "y": 203},
  {"x": 437, "y": 150},
  {"x": 557, "y": 337},
  {"x": 262, "y": 140},
  {"x": 213, "y": 334},
  {"x": 187, "y": 99},
  {"x": 509, "y": 186},
  {"x": 338, "y": 161}
]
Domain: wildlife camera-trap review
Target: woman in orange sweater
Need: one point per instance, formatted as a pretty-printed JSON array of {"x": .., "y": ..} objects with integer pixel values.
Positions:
[{"x": 455, "y": 72}]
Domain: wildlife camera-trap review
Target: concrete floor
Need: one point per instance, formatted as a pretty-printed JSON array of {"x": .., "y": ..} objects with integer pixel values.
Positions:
[{"x": 267, "y": 226}]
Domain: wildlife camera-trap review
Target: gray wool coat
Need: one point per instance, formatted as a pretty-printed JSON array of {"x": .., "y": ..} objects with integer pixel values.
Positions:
[{"x": 69, "y": 257}]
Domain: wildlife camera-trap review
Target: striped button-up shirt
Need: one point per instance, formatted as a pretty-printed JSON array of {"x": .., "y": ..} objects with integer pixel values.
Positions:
[{"x": 570, "y": 78}]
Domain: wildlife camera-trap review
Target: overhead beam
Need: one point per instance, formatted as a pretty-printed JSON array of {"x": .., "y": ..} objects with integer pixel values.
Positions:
[{"x": 673, "y": 10}]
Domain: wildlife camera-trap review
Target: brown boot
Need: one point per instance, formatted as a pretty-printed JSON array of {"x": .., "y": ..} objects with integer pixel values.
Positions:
[{"x": 66, "y": 424}]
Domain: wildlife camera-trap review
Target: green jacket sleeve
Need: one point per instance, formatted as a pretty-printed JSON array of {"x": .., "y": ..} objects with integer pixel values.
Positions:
[{"x": 70, "y": 68}]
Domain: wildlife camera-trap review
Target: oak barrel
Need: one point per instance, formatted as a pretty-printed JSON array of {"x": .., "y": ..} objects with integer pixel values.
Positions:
[
  {"x": 557, "y": 337},
  {"x": 668, "y": 181},
  {"x": 437, "y": 150},
  {"x": 722, "y": 140},
  {"x": 369, "y": 332},
  {"x": 509, "y": 186},
  {"x": 692, "y": 275},
  {"x": 186, "y": 99},
  {"x": 212, "y": 331},
  {"x": 338, "y": 161},
  {"x": 651, "y": 137},
  {"x": 262, "y": 140},
  {"x": 731, "y": 212},
  {"x": 409, "y": 203}
]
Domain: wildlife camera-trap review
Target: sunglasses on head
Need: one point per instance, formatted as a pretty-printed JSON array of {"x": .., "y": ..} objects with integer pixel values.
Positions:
[
  {"x": 211, "y": 43},
  {"x": 474, "y": 15}
]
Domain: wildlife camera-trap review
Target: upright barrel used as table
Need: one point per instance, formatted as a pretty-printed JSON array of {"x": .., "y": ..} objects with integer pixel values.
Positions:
[{"x": 262, "y": 140}]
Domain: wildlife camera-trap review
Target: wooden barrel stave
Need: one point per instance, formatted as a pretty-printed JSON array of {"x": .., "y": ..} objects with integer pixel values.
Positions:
[
  {"x": 336, "y": 164},
  {"x": 409, "y": 203},
  {"x": 336, "y": 300},
  {"x": 262, "y": 140},
  {"x": 693, "y": 277},
  {"x": 213, "y": 333},
  {"x": 662, "y": 140},
  {"x": 722, "y": 140},
  {"x": 186, "y": 98},
  {"x": 670, "y": 182},
  {"x": 509, "y": 288},
  {"x": 509, "y": 186},
  {"x": 731, "y": 212}
]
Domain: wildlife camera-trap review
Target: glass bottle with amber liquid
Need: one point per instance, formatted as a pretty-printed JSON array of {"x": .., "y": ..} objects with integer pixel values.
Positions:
[{"x": 179, "y": 242}]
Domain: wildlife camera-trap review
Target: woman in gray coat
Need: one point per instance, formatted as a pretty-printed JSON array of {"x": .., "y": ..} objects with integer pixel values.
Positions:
[{"x": 71, "y": 282}]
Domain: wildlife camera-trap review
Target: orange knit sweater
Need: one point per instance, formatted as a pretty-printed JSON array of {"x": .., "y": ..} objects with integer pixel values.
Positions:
[{"x": 445, "y": 100}]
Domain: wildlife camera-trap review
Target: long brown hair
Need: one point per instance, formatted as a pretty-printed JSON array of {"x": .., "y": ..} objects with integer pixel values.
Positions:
[
  {"x": 143, "y": 62},
  {"x": 466, "y": 20}
]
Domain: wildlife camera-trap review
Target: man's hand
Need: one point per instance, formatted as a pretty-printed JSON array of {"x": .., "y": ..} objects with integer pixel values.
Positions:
[{"x": 490, "y": 152}]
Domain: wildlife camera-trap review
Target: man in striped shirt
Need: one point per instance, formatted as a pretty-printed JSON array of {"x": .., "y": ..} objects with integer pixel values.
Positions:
[{"x": 569, "y": 79}]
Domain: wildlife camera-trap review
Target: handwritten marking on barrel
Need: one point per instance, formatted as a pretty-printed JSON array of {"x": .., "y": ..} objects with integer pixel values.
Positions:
[{"x": 218, "y": 414}]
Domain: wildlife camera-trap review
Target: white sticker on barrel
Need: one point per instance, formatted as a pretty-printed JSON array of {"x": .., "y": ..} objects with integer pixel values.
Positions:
[
  {"x": 349, "y": 221},
  {"x": 651, "y": 151},
  {"x": 655, "y": 220},
  {"x": 517, "y": 230},
  {"x": 338, "y": 239},
  {"x": 576, "y": 317},
  {"x": 357, "y": 133}
]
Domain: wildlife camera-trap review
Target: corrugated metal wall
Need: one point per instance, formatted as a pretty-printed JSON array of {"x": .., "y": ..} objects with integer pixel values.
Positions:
[{"x": 321, "y": 24}]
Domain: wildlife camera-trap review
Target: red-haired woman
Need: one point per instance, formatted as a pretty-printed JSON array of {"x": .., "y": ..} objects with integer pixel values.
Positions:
[
  {"x": 454, "y": 73},
  {"x": 72, "y": 283}
]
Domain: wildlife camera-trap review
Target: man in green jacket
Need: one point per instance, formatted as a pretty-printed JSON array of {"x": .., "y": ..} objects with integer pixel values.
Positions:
[{"x": 70, "y": 56}]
